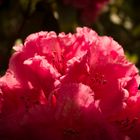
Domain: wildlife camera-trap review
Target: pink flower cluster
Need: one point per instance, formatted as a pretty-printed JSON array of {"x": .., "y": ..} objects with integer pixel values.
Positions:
[
  {"x": 69, "y": 87},
  {"x": 88, "y": 9}
]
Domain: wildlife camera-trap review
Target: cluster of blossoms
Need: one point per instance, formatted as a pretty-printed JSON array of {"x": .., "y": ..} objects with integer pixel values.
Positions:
[
  {"x": 69, "y": 87},
  {"x": 88, "y": 9}
]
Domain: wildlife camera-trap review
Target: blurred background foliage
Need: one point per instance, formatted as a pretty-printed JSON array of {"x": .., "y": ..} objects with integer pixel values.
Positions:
[{"x": 117, "y": 18}]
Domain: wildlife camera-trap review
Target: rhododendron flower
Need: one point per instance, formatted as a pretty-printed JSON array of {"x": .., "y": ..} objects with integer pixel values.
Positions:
[
  {"x": 69, "y": 87},
  {"x": 89, "y": 9}
]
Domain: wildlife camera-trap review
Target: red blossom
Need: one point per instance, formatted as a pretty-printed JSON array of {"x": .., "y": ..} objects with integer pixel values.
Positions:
[{"x": 69, "y": 86}]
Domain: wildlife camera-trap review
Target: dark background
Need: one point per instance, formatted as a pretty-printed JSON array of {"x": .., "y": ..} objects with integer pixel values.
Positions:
[{"x": 117, "y": 18}]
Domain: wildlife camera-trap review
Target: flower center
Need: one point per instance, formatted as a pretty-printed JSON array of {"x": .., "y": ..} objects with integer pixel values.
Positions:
[
  {"x": 58, "y": 60},
  {"x": 127, "y": 124},
  {"x": 98, "y": 79},
  {"x": 70, "y": 132}
]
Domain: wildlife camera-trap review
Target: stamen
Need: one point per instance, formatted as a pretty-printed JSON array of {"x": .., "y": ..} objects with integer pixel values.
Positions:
[
  {"x": 70, "y": 132},
  {"x": 127, "y": 124},
  {"x": 58, "y": 60},
  {"x": 99, "y": 79}
]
